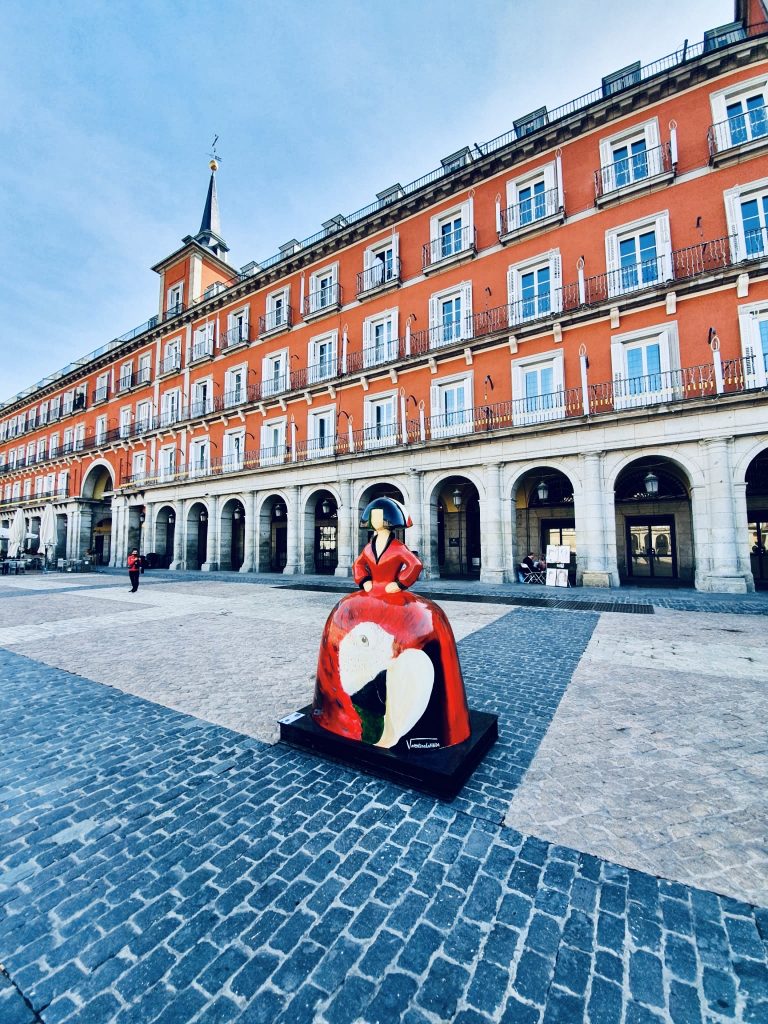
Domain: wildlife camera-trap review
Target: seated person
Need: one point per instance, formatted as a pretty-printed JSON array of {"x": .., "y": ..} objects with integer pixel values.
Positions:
[
  {"x": 525, "y": 568},
  {"x": 541, "y": 565}
]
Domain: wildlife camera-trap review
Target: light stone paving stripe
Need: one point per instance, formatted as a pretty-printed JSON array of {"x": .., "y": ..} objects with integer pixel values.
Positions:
[
  {"x": 166, "y": 644},
  {"x": 657, "y": 757}
]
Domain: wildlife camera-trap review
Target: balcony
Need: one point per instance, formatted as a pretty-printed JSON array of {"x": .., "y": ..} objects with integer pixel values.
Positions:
[
  {"x": 174, "y": 310},
  {"x": 454, "y": 247},
  {"x": 275, "y": 321},
  {"x": 101, "y": 394},
  {"x": 383, "y": 275},
  {"x": 171, "y": 363},
  {"x": 201, "y": 407},
  {"x": 237, "y": 396},
  {"x": 144, "y": 376},
  {"x": 125, "y": 382},
  {"x": 322, "y": 301},
  {"x": 371, "y": 356},
  {"x": 633, "y": 173},
  {"x": 728, "y": 140},
  {"x": 540, "y": 211},
  {"x": 240, "y": 334},
  {"x": 202, "y": 349}
]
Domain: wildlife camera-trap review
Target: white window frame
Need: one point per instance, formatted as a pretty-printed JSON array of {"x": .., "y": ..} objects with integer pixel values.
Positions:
[
  {"x": 326, "y": 414},
  {"x": 733, "y": 198},
  {"x": 238, "y": 323},
  {"x": 43, "y": 413},
  {"x": 315, "y": 367},
  {"x": 124, "y": 427},
  {"x": 40, "y": 449},
  {"x": 234, "y": 449},
  {"x": 549, "y": 208},
  {"x": 200, "y": 464},
  {"x": 229, "y": 401},
  {"x": 439, "y": 253},
  {"x": 53, "y": 444},
  {"x": 201, "y": 406},
  {"x": 68, "y": 404},
  {"x": 271, "y": 320},
  {"x": 376, "y": 273},
  {"x": 139, "y": 466},
  {"x": 664, "y": 385},
  {"x": 520, "y": 311},
  {"x": 55, "y": 407},
  {"x": 167, "y": 461},
  {"x": 391, "y": 346},
  {"x": 751, "y": 316},
  {"x": 101, "y": 429},
  {"x": 171, "y": 397},
  {"x": 174, "y": 296},
  {"x": 32, "y": 417},
  {"x": 172, "y": 355},
  {"x": 144, "y": 373},
  {"x": 270, "y": 385},
  {"x": 374, "y": 435},
  {"x": 616, "y": 278},
  {"x": 538, "y": 408},
  {"x": 273, "y": 447},
  {"x": 143, "y": 415},
  {"x": 461, "y": 421},
  {"x": 723, "y": 129},
  {"x": 318, "y": 292},
  {"x": 101, "y": 392},
  {"x": 438, "y": 336},
  {"x": 204, "y": 340},
  {"x": 653, "y": 162},
  {"x": 27, "y": 490},
  {"x": 125, "y": 378}
]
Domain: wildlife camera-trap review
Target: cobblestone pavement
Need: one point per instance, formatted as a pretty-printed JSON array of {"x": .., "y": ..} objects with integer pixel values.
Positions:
[{"x": 158, "y": 867}]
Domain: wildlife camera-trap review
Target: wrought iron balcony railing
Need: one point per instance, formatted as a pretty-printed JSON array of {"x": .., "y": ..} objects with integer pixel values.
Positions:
[
  {"x": 323, "y": 300},
  {"x": 646, "y": 166},
  {"x": 380, "y": 275},
  {"x": 174, "y": 310},
  {"x": 739, "y": 130},
  {"x": 240, "y": 334},
  {"x": 458, "y": 242},
  {"x": 274, "y": 320},
  {"x": 528, "y": 212}
]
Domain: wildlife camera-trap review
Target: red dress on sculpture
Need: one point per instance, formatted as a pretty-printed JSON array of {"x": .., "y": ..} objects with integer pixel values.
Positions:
[{"x": 388, "y": 672}]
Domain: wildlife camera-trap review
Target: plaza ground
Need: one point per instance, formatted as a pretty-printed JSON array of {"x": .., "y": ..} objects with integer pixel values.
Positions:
[{"x": 162, "y": 858}]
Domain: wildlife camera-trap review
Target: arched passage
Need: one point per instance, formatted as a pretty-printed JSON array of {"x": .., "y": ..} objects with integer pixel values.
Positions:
[
  {"x": 545, "y": 515},
  {"x": 654, "y": 526},
  {"x": 273, "y": 534},
  {"x": 321, "y": 532},
  {"x": 96, "y": 515},
  {"x": 197, "y": 535},
  {"x": 757, "y": 518},
  {"x": 232, "y": 535},
  {"x": 381, "y": 489},
  {"x": 455, "y": 528},
  {"x": 165, "y": 532}
]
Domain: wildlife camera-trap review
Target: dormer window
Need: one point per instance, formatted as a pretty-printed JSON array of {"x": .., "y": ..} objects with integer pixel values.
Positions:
[{"x": 174, "y": 302}]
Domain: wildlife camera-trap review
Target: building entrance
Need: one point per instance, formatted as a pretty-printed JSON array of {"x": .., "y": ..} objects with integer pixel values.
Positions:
[
  {"x": 651, "y": 548},
  {"x": 758, "y": 547}
]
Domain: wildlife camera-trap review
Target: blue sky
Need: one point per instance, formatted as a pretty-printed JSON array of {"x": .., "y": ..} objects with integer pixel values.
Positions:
[{"x": 109, "y": 109}]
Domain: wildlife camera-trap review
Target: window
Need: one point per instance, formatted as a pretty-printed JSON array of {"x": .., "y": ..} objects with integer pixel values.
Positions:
[
  {"x": 27, "y": 489},
  {"x": 40, "y": 452},
  {"x": 39, "y": 486},
  {"x": 450, "y": 316},
  {"x": 202, "y": 342},
  {"x": 381, "y": 265},
  {"x": 321, "y": 432},
  {"x": 274, "y": 373},
  {"x": 535, "y": 288},
  {"x": 172, "y": 356},
  {"x": 55, "y": 407},
  {"x": 202, "y": 397},
  {"x": 324, "y": 290},
  {"x": 101, "y": 430},
  {"x": 273, "y": 442},
  {"x": 32, "y": 417},
  {"x": 739, "y": 116},
  {"x": 380, "y": 342},
  {"x": 125, "y": 423},
  {"x": 69, "y": 401},
  {"x": 54, "y": 445},
  {"x": 234, "y": 386},
  {"x": 125, "y": 380},
  {"x": 102, "y": 388},
  {"x": 43, "y": 413},
  {"x": 747, "y": 213},
  {"x": 531, "y": 199},
  {"x": 175, "y": 299},
  {"x": 143, "y": 416},
  {"x": 200, "y": 456},
  {"x": 451, "y": 235},
  {"x": 145, "y": 368},
  {"x": 380, "y": 417},
  {"x": 30, "y": 453},
  {"x": 322, "y": 357},
  {"x": 631, "y": 157},
  {"x": 167, "y": 462},
  {"x": 170, "y": 408},
  {"x": 16, "y": 492},
  {"x": 79, "y": 437},
  {"x": 234, "y": 449},
  {"x": 753, "y": 326},
  {"x": 451, "y": 404},
  {"x": 641, "y": 366},
  {"x": 278, "y": 311},
  {"x": 639, "y": 255},
  {"x": 139, "y": 466},
  {"x": 237, "y": 328},
  {"x": 68, "y": 440}
]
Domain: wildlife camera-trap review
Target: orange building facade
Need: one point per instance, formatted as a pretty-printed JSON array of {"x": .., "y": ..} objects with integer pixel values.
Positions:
[{"x": 560, "y": 336}]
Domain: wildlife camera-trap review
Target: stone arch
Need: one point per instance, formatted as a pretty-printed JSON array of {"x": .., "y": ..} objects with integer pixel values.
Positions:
[
  {"x": 164, "y": 534},
  {"x": 99, "y": 480},
  {"x": 756, "y": 501},
  {"x": 232, "y": 527},
  {"x": 320, "y": 534},
  {"x": 375, "y": 489},
  {"x": 272, "y": 518},
  {"x": 454, "y": 517},
  {"x": 543, "y": 497},
  {"x": 196, "y": 534}
]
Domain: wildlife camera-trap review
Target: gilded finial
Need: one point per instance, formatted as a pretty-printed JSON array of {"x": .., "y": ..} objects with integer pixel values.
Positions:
[{"x": 215, "y": 158}]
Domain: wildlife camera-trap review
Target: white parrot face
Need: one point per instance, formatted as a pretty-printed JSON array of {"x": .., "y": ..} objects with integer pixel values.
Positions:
[{"x": 364, "y": 652}]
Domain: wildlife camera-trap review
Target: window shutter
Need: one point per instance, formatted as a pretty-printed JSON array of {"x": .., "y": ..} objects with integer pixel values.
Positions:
[
  {"x": 467, "y": 323},
  {"x": 664, "y": 244},
  {"x": 606, "y": 153},
  {"x": 434, "y": 400},
  {"x": 265, "y": 369},
  {"x": 395, "y": 245},
  {"x": 434, "y": 228},
  {"x": 652, "y": 136},
  {"x": 612, "y": 262},
  {"x": 434, "y": 311},
  {"x": 617, "y": 360},
  {"x": 514, "y": 312},
  {"x": 550, "y": 183},
  {"x": 395, "y": 335},
  {"x": 556, "y": 277},
  {"x": 366, "y": 335},
  {"x": 749, "y": 331},
  {"x": 367, "y": 414},
  {"x": 732, "y": 199},
  {"x": 718, "y": 109},
  {"x": 468, "y": 218},
  {"x": 368, "y": 259},
  {"x": 664, "y": 353}
]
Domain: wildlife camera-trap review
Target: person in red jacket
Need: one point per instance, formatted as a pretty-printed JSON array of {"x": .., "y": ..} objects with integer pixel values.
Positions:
[
  {"x": 388, "y": 673},
  {"x": 134, "y": 569}
]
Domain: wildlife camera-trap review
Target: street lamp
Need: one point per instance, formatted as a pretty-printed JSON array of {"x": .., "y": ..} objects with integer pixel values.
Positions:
[
  {"x": 236, "y": 514},
  {"x": 651, "y": 482},
  {"x": 457, "y": 499},
  {"x": 171, "y": 519},
  {"x": 279, "y": 511},
  {"x": 203, "y": 517},
  {"x": 542, "y": 490},
  {"x": 326, "y": 507}
]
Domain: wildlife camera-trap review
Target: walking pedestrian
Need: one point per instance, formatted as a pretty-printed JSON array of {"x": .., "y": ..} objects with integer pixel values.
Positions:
[{"x": 134, "y": 569}]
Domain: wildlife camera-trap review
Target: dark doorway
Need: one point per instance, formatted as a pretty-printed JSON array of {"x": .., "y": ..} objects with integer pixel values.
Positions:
[
  {"x": 758, "y": 546},
  {"x": 651, "y": 548}
]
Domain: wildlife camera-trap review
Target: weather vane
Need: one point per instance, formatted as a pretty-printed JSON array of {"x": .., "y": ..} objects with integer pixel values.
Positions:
[{"x": 215, "y": 158}]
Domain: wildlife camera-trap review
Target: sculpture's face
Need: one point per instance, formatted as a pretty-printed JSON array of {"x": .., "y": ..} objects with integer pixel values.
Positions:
[{"x": 377, "y": 519}]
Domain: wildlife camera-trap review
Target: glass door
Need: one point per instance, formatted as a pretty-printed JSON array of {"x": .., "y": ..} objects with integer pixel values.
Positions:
[
  {"x": 651, "y": 549},
  {"x": 758, "y": 547}
]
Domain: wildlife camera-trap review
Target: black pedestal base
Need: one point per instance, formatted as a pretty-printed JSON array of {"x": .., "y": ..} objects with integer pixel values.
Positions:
[{"x": 440, "y": 773}]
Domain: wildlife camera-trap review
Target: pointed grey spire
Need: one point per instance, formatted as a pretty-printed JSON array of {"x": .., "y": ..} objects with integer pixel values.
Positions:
[{"x": 209, "y": 234}]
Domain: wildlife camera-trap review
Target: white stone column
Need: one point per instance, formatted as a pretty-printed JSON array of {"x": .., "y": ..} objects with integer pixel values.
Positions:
[
  {"x": 179, "y": 535},
  {"x": 346, "y": 520},
  {"x": 595, "y": 533},
  {"x": 742, "y": 535},
  {"x": 293, "y": 562},
  {"x": 117, "y": 516},
  {"x": 414, "y": 535},
  {"x": 211, "y": 563},
  {"x": 250, "y": 533},
  {"x": 73, "y": 531},
  {"x": 721, "y": 544},
  {"x": 492, "y": 551}
]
